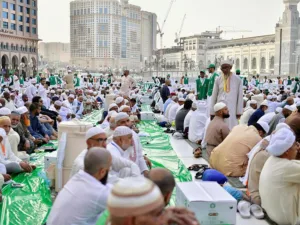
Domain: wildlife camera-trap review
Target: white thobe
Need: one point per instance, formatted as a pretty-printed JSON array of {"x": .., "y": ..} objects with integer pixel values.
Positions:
[
  {"x": 197, "y": 125},
  {"x": 167, "y": 112},
  {"x": 7, "y": 156},
  {"x": 78, "y": 108},
  {"x": 233, "y": 99},
  {"x": 16, "y": 83},
  {"x": 267, "y": 117},
  {"x": 30, "y": 92},
  {"x": 80, "y": 202},
  {"x": 136, "y": 154},
  {"x": 10, "y": 105},
  {"x": 172, "y": 112},
  {"x": 42, "y": 92},
  {"x": 20, "y": 103},
  {"x": 246, "y": 115},
  {"x": 187, "y": 119},
  {"x": 127, "y": 84},
  {"x": 70, "y": 106}
]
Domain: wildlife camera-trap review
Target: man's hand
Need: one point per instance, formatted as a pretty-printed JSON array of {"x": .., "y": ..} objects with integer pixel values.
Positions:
[
  {"x": 26, "y": 167},
  {"x": 178, "y": 216},
  {"x": 47, "y": 137},
  {"x": 148, "y": 162},
  {"x": 238, "y": 117},
  {"x": 146, "y": 173},
  {"x": 6, "y": 177},
  {"x": 69, "y": 115},
  {"x": 27, "y": 144}
]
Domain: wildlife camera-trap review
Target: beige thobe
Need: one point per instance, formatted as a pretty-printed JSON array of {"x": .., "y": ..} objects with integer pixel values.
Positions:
[
  {"x": 230, "y": 157},
  {"x": 127, "y": 84},
  {"x": 279, "y": 188},
  {"x": 216, "y": 133},
  {"x": 69, "y": 82}
]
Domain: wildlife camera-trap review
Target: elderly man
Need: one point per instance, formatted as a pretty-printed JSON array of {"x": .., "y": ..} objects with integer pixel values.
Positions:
[
  {"x": 228, "y": 88},
  {"x": 294, "y": 122},
  {"x": 84, "y": 197},
  {"x": 120, "y": 101},
  {"x": 7, "y": 157},
  {"x": 248, "y": 112},
  {"x": 78, "y": 107},
  {"x": 8, "y": 102},
  {"x": 279, "y": 185},
  {"x": 136, "y": 152},
  {"x": 280, "y": 117},
  {"x": 96, "y": 137},
  {"x": 111, "y": 128},
  {"x": 69, "y": 104},
  {"x": 217, "y": 129},
  {"x": 230, "y": 157}
]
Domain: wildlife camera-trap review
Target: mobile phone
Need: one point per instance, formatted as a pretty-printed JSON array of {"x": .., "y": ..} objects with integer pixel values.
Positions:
[{"x": 17, "y": 185}]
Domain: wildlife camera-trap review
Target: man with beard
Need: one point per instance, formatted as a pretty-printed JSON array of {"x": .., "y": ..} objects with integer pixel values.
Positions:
[
  {"x": 84, "y": 197},
  {"x": 217, "y": 129}
]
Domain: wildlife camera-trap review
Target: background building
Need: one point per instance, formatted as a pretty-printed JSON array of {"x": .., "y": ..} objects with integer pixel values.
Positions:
[
  {"x": 54, "y": 52},
  {"x": 19, "y": 35},
  {"x": 110, "y": 34}
]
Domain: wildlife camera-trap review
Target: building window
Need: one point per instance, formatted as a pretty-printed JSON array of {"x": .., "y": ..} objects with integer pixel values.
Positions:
[
  {"x": 5, "y": 25},
  {"x": 27, "y": 19},
  {"x": 20, "y": 18},
  {"x": 13, "y": 16},
  {"x": 34, "y": 3},
  {"x": 27, "y": 29},
  {"x": 4, "y": 5},
  {"x": 28, "y": 2},
  {"x": 5, "y": 15},
  {"x": 20, "y": 8},
  {"x": 21, "y": 1},
  {"x": 20, "y": 27},
  {"x": 105, "y": 11},
  {"x": 12, "y": 6},
  {"x": 34, "y": 12},
  {"x": 34, "y": 21},
  {"x": 34, "y": 30},
  {"x": 13, "y": 26},
  {"x": 27, "y": 10},
  {"x": 100, "y": 10}
]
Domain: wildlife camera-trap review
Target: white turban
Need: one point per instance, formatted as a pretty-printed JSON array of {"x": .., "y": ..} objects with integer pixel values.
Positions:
[
  {"x": 22, "y": 110},
  {"x": 265, "y": 126},
  {"x": 181, "y": 100},
  {"x": 269, "y": 97},
  {"x": 58, "y": 103},
  {"x": 121, "y": 116},
  {"x": 52, "y": 92},
  {"x": 282, "y": 125},
  {"x": 290, "y": 107},
  {"x": 265, "y": 102},
  {"x": 5, "y": 111},
  {"x": 93, "y": 132},
  {"x": 245, "y": 99},
  {"x": 112, "y": 105},
  {"x": 134, "y": 196},
  {"x": 112, "y": 113},
  {"x": 119, "y": 100},
  {"x": 219, "y": 106},
  {"x": 228, "y": 62},
  {"x": 278, "y": 109},
  {"x": 71, "y": 96},
  {"x": 194, "y": 105},
  {"x": 123, "y": 107},
  {"x": 281, "y": 141},
  {"x": 122, "y": 131},
  {"x": 253, "y": 102}
]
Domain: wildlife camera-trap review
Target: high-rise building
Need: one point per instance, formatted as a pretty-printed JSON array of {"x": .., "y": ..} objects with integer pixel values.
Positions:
[
  {"x": 19, "y": 35},
  {"x": 109, "y": 34},
  {"x": 54, "y": 52}
]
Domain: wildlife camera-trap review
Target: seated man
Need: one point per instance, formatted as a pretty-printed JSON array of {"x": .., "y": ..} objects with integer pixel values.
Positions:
[
  {"x": 188, "y": 117},
  {"x": 84, "y": 197},
  {"x": 35, "y": 128},
  {"x": 280, "y": 117},
  {"x": 197, "y": 124},
  {"x": 217, "y": 130},
  {"x": 279, "y": 185},
  {"x": 180, "y": 116},
  {"x": 96, "y": 137},
  {"x": 294, "y": 122},
  {"x": 248, "y": 111},
  {"x": 230, "y": 157},
  {"x": 12, "y": 163}
]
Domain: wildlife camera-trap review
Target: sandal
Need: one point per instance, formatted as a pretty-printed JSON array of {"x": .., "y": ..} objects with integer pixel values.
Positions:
[
  {"x": 197, "y": 153},
  {"x": 197, "y": 167},
  {"x": 200, "y": 173}
]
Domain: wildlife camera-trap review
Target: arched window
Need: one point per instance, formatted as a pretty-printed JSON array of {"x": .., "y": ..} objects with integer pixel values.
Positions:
[
  {"x": 237, "y": 64},
  {"x": 272, "y": 62},
  {"x": 263, "y": 63},
  {"x": 253, "y": 64},
  {"x": 245, "y": 66}
]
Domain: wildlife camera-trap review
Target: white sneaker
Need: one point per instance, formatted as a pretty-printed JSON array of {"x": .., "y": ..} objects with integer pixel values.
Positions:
[
  {"x": 244, "y": 209},
  {"x": 257, "y": 211}
]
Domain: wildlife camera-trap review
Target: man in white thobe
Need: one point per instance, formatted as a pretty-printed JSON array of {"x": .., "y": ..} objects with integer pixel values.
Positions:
[
  {"x": 31, "y": 90},
  {"x": 228, "y": 89},
  {"x": 69, "y": 104},
  {"x": 248, "y": 112},
  {"x": 127, "y": 83}
]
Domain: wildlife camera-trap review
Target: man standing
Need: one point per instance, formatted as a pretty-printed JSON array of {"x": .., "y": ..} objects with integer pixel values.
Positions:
[
  {"x": 76, "y": 81},
  {"x": 165, "y": 91},
  {"x": 217, "y": 129},
  {"x": 69, "y": 79},
  {"x": 186, "y": 80},
  {"x": 127, "y": 83},
  {"x": 213, "y": 75},
  {"x": 228, "y": 88},
  {"x": 297, "y": 86},
  {"x": 202, "y": 86},
  {"x": 52, "y": 80}
]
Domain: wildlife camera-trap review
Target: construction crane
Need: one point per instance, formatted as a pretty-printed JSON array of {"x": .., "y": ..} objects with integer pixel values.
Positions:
[
  {"x": 218, "y": 30},
  {"x": 160, "y": 30},
  {"x": 178, "y": 34}
]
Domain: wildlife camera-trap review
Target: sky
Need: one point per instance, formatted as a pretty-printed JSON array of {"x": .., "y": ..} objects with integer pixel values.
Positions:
[{"x": 258, "y": 16}]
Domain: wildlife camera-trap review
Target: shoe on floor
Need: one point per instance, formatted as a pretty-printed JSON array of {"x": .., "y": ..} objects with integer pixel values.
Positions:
[
  {"x": 257, "y": 211},
  {"x": 244, "y": 209}
]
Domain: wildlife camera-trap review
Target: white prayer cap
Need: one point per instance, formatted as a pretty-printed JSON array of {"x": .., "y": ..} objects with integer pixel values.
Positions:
[
  {"x": 123, "y": 107},
  {"x": 33, "y": 81},
  {"x": 67, "y": 90},
  {"x": 122, "y": 131},
  {"x": 90, "y": 91},
  {"x": 95, "y": 92},
  {"x": 194, "y": 105},
  {"x": 228, "y": 62},
  {"x": 58, "y": 103},
  {"x": 2, "y": 133},
  {"x": 71, "y": 96},
  {"x": 125, "y": 101},
  {"x": 278, "y": 109},
  {"x": 134, "y": 196},
  {"x": 5, "y": 111},
  {"x": 120, "y": 116},
  {"x": 279, "y": 98},
  {"x": 119, "y": 100},
  {"x": 219, "y": 106},
  {"x": 274, "y": 96},
  {"x": 290, "y": 107},
  {"x": 22, "y": 110},
  {"x": 93, "y": 132},
  {"x": 181, "y": 100},
  {"x": 174, "y": 98},
  {"x": 112, "y": 105},
  {"x": 269, "y": 97},
  {"x": 265, "y": 102},
  {"x": 282, "y": 125},
  {"x": 69, "y": 71},
  {"x": 245, "y": 99},
  {"x": 265, "y": 126},
  {"x": 281, "y": 141},
  {"x": 253, "y": 102},
  {"x": 112, "y": 113},
  {"x": 52, "y": 92},
  {"x": 298, "y": 104}
]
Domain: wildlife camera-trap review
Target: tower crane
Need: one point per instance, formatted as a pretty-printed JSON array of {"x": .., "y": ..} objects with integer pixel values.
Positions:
[
  {"x": 178, "y": 34},
  {"x": 160, "y": 29}
]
